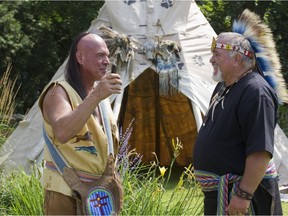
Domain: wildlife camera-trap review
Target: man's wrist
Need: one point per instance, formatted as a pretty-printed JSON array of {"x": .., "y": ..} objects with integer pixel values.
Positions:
[{"x": 244, "y": 195}]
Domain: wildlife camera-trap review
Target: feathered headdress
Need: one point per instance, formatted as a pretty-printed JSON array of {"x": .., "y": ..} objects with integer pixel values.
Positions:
[{"x": 261, "y": 39}]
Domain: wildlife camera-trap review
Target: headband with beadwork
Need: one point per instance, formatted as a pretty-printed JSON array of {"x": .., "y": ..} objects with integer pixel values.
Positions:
[{"x": 230, "y": 47}]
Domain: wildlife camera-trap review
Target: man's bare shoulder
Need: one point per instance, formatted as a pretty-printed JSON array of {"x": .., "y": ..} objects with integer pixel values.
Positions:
[{"x": 55, "y": 93}]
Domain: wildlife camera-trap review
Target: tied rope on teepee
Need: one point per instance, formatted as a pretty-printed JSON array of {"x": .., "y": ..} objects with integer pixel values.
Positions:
[{"x": 267, "y": 59}]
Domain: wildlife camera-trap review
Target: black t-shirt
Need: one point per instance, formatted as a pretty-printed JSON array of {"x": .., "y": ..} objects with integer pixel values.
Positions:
[{"x": 243, "y": 123}]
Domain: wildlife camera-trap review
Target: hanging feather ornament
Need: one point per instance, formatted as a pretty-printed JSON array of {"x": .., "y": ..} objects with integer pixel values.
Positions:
[
  {"x": 267, "y": 59},
  {"x": 167, "y": 56},
  {"x": 121, "y": 48}
]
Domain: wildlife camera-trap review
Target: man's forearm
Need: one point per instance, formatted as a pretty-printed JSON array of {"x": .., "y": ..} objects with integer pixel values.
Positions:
[{"x": 255, "y": 168}]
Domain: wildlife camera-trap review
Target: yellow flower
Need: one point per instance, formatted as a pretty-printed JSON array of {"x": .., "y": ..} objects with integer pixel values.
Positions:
[{"x": 162, "y": 171}]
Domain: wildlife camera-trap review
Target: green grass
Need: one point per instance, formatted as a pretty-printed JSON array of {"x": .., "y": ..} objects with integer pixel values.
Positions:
[
  {"x": 285, "y": 208},
  {"x": 22, "y": 194},
  {"x": 145, "y": 194}
]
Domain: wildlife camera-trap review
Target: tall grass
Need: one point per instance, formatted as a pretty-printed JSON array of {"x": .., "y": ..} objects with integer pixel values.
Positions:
[
  {"x": 8, "y": 93},
  {"x": 21, "y": 194}
]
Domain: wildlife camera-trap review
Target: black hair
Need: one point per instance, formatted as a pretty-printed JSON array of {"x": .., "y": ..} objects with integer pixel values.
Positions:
[{"x": 72, "y": 71}]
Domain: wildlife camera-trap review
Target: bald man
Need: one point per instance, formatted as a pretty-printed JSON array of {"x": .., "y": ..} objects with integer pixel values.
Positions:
[{"x": 73, "y": 121}]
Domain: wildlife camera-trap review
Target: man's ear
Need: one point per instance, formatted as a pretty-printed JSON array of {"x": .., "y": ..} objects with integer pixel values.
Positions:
[
  {"x": 79, "y": 57},
  {"x": 237, "y": 59}
]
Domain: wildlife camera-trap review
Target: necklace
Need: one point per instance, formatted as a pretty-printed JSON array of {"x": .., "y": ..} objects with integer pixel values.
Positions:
[{"x": 220, "y": 97}]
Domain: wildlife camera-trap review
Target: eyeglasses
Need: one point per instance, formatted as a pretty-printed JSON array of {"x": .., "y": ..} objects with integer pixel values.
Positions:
[{"x": 230, "y": 47}]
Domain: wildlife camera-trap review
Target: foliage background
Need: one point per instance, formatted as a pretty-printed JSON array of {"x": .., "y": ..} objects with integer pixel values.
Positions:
[
  {"x": 221, "y": 15},
  {"x": 36, "y": 36}
]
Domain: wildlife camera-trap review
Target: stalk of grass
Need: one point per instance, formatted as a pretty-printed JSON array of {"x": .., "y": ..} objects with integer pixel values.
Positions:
[
  {"x": 176, "y": 146},
  {"x": 30, "y": 195},
  {"x": 187, "y": 195},
  {"x": 5, "y": 131},
  {"x": 7, "y": 95},
  {"x": 7, "y": 103}
]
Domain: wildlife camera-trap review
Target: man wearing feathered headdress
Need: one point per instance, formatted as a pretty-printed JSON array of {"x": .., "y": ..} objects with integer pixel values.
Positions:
[{"x": 233, "y": 155}]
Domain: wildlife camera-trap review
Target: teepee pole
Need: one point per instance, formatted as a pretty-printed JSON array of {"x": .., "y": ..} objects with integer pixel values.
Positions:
[{"x": 157, "y": 116}]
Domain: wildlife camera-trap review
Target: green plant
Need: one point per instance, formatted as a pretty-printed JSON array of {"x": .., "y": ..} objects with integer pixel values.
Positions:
[
  {"x": 148, "y": 191},
  {"x": 21, "y": 194},
  {"x": 145, "y": 193},
  {"x": 7, "y": 104},
  {"x": 7, "y": 95},
  {"x": 283, "y": 118}
]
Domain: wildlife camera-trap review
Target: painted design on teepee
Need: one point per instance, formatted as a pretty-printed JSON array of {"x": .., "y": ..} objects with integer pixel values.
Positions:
[
  {"x": 198, "y": 60},
  {"x": 129, "y": 2},
  {"x": 167, "y": 3}
]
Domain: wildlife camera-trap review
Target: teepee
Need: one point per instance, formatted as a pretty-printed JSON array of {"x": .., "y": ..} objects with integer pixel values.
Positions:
[{"x": 165, "y": 101}]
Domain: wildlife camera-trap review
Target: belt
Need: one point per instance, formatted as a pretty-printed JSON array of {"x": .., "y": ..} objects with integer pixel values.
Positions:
[{"x": 210, "y": 182}]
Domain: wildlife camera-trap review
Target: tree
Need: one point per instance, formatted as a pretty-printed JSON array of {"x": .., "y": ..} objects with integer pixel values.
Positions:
[
  {"x": 221, "y": 15},
  {"x": 36, "y": 37}
]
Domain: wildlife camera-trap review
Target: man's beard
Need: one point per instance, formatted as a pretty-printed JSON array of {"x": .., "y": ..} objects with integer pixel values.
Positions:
[{"x": 217, "y": 75}]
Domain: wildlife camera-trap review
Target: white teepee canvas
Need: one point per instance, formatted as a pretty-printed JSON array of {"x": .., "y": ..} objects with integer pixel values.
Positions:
[{"x": 147, "y": 24}]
